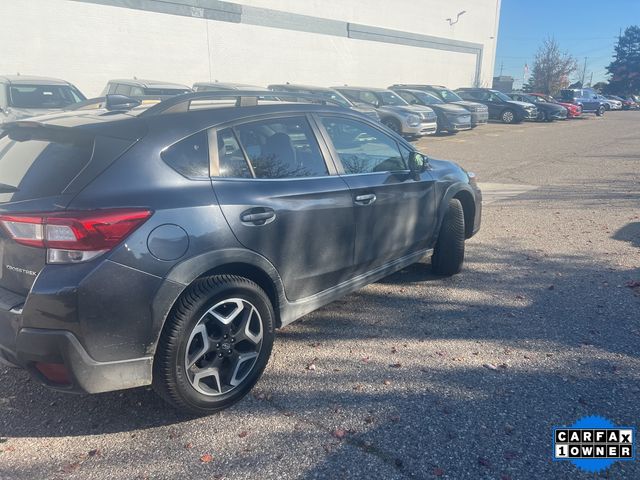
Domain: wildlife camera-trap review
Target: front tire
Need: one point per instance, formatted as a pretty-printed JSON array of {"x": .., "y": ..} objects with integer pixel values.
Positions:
[
  {"x": 215, "y": 344},
  {"x": 448, "y": 254},
  {"x": 508, "y": 116}
]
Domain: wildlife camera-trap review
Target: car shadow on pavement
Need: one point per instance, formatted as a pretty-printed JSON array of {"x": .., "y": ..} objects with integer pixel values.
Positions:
[
  {"x": 629, "y": 233},
  {"x": 442, "y": 347}
]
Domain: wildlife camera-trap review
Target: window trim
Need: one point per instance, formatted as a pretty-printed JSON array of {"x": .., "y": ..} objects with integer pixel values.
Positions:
[
  {"x": 214, "y": 160},
  {"x": 334, "y": 153}
]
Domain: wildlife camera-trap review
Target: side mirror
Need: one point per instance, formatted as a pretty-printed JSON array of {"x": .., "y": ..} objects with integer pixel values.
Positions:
[{"x": 417, "y": 163}]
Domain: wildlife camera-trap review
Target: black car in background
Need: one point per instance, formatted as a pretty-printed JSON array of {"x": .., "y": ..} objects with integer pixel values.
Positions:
[
  {"x": 327, "y": 93},
  {"x": 501, "y": 107},
  {"x": 23, "y": 96},
  {"x": 451, "y": 118},
  {"x": 547, "y": 111},
  {"x": 479, "y": 112}
]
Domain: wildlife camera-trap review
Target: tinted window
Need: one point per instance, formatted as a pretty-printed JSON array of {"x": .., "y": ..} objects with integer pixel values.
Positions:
[
  {"x": 122, "y": 89},
  {"x": 282, "y": 148},
  {"x": 43, "y": 96},
  {"x": 37, "y": 163},
  {"x": 361, "y": 148},
  {"x": 230, "y": 157},
  {"x": 189, "y": 157},
  {"x": 449, "y": 96}
]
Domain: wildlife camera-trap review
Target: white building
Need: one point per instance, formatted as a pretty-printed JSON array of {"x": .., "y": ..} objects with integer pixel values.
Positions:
[{"x": 321, "y": 42}]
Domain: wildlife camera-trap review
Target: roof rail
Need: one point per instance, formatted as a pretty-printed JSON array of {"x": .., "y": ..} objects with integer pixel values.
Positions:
[{"x": 243, "y": 98}]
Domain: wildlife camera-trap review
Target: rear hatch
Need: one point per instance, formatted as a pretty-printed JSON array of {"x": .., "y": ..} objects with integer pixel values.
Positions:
[{"x": 42, "y": 168}]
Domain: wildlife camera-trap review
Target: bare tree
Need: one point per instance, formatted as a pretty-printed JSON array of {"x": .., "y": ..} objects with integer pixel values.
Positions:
[{"x": 551, "y": 68}]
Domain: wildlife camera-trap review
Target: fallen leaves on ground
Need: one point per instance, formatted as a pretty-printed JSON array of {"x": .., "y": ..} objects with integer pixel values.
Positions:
[{"x": 206, "y": 458}]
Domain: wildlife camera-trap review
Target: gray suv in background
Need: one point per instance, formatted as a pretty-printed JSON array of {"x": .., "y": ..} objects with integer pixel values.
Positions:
[
  {"x": 330, "y": 94},
  {"x": 23, "y": 96},
  {"x": 164, "y": 245},
  {"x": 143, "y": 88},
  {"x": 451, "y": 118},
  {"x": 395, "y": 113},
  {"x": 479, "y": 112}
]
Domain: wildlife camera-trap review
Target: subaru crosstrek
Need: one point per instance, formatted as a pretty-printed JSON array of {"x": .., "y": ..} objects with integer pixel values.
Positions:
[{"x": 163, "y": 246}]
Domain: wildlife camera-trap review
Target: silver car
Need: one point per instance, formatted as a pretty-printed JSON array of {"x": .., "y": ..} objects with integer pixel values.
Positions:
[
  {"x": 395, "y": 113},
  {"x": 23, "y": 96}
]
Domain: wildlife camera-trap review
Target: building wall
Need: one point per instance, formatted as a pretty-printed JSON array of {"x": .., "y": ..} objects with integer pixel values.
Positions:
[{"x": 323, "y": 42}]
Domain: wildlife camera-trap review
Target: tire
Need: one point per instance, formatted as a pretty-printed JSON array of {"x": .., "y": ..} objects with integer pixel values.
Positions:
[
  {"x": 508, "y": 116},
  {"x": 600, "y": 111},
  {"x": 542, "y": 116},
  {"x": 203, "y": 383},
  {"x": 448, "y": 254},
  {"x": 607, "y": 107},
  {"x": 393, "y": 124}
]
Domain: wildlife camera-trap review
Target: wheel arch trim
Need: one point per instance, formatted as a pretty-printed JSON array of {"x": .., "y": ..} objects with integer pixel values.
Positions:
[{"x": 229, "y": 261}]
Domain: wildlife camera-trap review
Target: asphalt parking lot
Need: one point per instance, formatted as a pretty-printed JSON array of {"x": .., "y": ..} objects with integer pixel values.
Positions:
[{"x": 414, "y": 376}]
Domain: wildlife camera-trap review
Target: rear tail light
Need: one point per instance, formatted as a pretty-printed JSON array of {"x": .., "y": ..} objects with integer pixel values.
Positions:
[{"x": 73, "y": 237}]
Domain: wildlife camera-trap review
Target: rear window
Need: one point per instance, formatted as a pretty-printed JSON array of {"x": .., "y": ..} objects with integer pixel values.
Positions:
[
  {"x": 43, "y": 96},
  {"x": 37, "y": 163}
]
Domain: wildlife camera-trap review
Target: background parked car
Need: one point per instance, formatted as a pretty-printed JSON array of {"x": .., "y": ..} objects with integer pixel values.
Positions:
[
  {"x": 395, "y": 113},
  {"x": 629, "y": 102},
  {"x": 626, "y": 104},
  {"x": 24, "y": 96},
  {"x": 139, "y": 88},
  {"x": 573, "y": 110},
  {"x": 501, "y": 107},
  {"x": 587, "y": 98},
  {"x": 479, "y": 111},
  {"x": 610, "y": 104},
  {"x": 547, "y": 111},
  {"x": 215, "y": 86},
  {"x": 451, "y": 118},
  {"x": 328, "y": 93}
]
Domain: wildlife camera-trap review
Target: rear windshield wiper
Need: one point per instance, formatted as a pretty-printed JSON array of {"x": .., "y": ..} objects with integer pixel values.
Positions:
[{"x": 4, "y": 188}]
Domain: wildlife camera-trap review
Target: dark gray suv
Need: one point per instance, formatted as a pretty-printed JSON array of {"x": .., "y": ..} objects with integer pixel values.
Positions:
[{"x": 165, "y": 245}]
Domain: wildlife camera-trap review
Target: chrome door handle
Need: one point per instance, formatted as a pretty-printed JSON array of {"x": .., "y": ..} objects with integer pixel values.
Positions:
[{"x": 366, "y": 199}]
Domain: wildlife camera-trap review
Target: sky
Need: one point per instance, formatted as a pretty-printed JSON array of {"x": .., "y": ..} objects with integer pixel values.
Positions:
[{"x": 583, "y": 28}]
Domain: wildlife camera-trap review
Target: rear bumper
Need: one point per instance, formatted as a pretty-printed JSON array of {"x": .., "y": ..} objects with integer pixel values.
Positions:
[
  {"x": 86, "y": 375},
  {"x": 72, "y": 317}
]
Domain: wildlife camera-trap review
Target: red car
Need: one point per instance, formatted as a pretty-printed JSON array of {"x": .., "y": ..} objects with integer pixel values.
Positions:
[{"x": 573, "y": 110}]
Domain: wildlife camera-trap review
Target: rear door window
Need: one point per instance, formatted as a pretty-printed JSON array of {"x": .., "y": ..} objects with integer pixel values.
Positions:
[
  {"x": 37, "y": 163},
  {"x": 282, "y": 148}
]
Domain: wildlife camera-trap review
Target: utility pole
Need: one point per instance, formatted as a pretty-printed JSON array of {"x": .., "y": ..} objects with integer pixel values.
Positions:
[
  {"x": 591, "y": 80},
  {"x": 501, "y": 67},
  {"x": 584, "y": 71}
]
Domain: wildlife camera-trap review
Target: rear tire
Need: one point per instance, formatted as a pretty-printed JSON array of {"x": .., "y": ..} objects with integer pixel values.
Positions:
[
  {"x": 198, "y": 369},
  {"x": 448, "y": 254},
  {"x": 600, "y": 111},
  {"x": 542, "y": 116}
]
